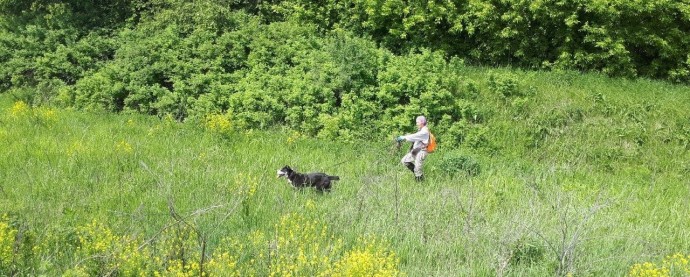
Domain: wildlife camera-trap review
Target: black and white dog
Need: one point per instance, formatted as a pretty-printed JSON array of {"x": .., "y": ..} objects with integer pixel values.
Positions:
[{"x": 321, "y": 181}]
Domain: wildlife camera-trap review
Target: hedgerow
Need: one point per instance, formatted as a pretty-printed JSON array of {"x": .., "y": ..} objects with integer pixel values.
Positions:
[
  {"x": 334, "y": 70},
  {"x": 622, "y": 38}
]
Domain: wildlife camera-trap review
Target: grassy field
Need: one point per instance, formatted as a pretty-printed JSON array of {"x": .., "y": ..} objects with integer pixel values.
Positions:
[{"x": 604, "y": 191}]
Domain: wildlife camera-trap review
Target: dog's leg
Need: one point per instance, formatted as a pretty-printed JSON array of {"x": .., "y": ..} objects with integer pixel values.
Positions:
[{"x": 324, "y": 186}]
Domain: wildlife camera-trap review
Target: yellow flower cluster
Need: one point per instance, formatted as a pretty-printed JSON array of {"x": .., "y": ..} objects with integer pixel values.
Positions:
[
  {"x": 223, "y": 264},
  {"x": 647, "y": 270},
  {"x": 677, "y": 263},
  {"x": 245, "y": 185},
  {"x": 175, "y": 253},
  {"x": 302, "y": 247},
  {"x": 298, "y": 246},
  {"x": 154, "y": 130},
  {"x": 178, "y": 252},
  {"x": 178, "y": 268},
  {"x": 46, "y": 115},
  {"x": 114, "y": 254},
  {"x": 371, "y": 259},
  {"x": 239, "y": 256},
  {"x": 75, "y": 149},
  {"x": 218, "y": 123},
  {"x": 41, "y": 115},
  {"x": 672, "y": 265},
  {"x": 294, "y": 137},
  {"x": 310, "y": 205},
  {"x": 124, "y": 147},
  {"x": 7, "y": 238},
  {"x": 19, "y": 109}
]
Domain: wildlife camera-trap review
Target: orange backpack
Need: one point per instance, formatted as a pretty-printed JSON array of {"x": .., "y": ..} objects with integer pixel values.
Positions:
[{"x": 432, "y": 143}]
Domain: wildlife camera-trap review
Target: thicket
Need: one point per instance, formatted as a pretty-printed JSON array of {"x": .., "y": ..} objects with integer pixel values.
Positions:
[
  {"x": 195, "y": 60},
  {"x": 621, "y": 38},
  {"x": 318, "y": 67}
]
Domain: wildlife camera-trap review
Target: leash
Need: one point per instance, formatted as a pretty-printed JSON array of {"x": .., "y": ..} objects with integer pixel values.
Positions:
[
  {"x": 395, "y": 147},
  {"x": 338, "y": 164}
]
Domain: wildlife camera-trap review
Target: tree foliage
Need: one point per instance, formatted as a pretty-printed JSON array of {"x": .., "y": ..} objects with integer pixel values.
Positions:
[
  {"x": 319, "y": 66},
  {"x": 622, "y": 38}
]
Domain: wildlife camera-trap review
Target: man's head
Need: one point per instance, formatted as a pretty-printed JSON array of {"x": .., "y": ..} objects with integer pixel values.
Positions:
[{"x": 421, "y": 121}]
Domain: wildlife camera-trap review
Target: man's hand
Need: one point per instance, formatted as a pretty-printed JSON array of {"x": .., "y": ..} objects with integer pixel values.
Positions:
[{"x": 399, "y": 139}]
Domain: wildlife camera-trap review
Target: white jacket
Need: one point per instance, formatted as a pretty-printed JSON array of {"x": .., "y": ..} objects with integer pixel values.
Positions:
[{"x": 420, "y": 139}]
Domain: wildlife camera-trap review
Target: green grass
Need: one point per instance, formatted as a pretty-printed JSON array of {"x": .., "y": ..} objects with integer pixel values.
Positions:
[{"x": 603, "y": 190}]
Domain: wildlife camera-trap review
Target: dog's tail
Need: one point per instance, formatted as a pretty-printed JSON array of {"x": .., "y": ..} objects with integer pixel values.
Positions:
[{"x": 333, "y": 178}]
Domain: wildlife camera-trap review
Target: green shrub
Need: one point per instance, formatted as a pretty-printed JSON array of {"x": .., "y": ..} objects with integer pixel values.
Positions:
[
  {"x": 318, "y": 69},
  {"x": 505, "y": 85},
  {"x": 527, "y": 251},
  {"x": 455, "y": 162},
  {"x": 552, "y": 123},
  {"x": 621, "y": 38}
]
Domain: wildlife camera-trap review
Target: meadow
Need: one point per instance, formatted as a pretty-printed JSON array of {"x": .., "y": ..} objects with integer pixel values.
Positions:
[{"x": 584, "y": 176}]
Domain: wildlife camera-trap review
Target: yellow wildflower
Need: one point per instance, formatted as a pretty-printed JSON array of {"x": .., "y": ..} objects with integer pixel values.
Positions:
[
  {"x": 7, "y": 237},
  {"x": 19, "y": 109},
  {"x": 218, "y": 123},
  {"x": 75, "y": 148},
  {"x": 124, "y": 147},
  {"x": 672, "y": 265},
  {"x": 47, "y": 114}
]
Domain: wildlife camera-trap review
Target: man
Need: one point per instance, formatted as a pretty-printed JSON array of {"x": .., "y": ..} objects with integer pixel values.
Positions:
[{"x": 415, "y": 157}]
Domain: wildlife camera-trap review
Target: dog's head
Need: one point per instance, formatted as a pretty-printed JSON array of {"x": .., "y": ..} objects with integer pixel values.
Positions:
[{"x": 284, "y": 172}]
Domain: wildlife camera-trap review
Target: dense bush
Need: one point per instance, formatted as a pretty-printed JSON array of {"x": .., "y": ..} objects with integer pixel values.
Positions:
[
  {"x": 47, "y": 46},
  {"x": 628, "y": 38},
  {"x": 456, "y": 162},
  {"x": 300, "y": 63},
  {"x": 189, "y": 65}
]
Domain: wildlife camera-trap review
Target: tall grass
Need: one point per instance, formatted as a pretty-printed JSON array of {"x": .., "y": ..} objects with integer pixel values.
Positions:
[{"x": 601, "y": 192}]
